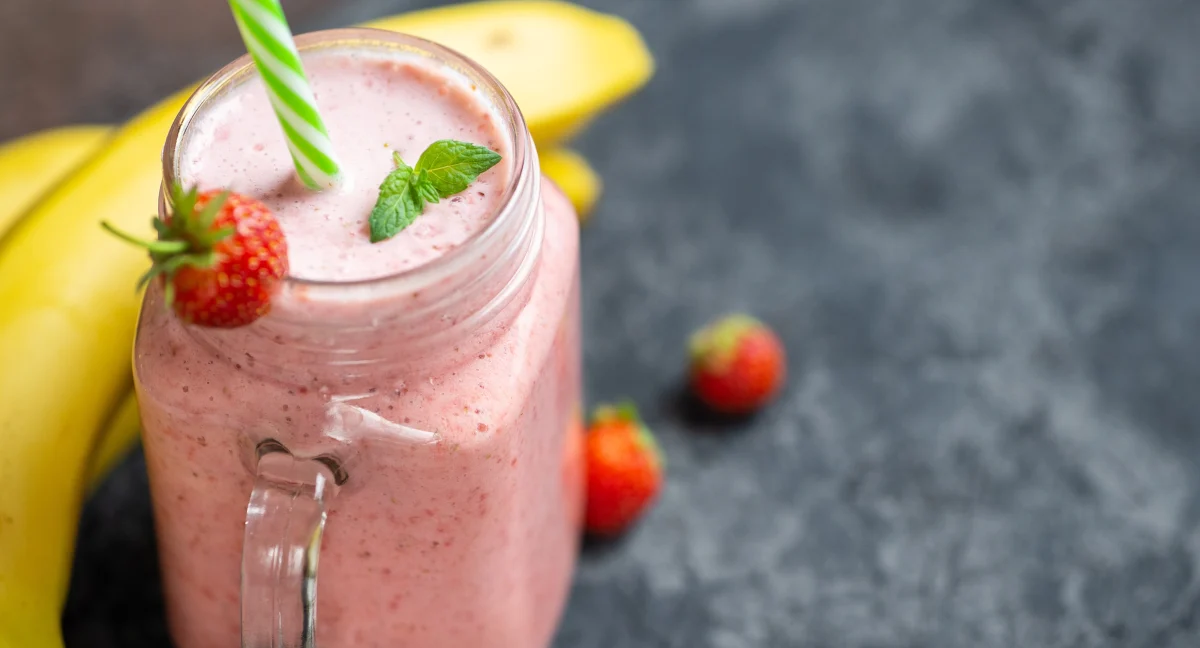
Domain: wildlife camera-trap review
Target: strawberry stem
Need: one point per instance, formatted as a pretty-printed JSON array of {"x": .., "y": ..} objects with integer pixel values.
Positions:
[{"x": 155, "y": 247}]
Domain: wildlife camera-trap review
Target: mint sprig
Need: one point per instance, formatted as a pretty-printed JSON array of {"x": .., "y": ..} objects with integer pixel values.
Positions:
[
  {"x": 446, "y": 168},
  {"x": 396, "y": 207}
]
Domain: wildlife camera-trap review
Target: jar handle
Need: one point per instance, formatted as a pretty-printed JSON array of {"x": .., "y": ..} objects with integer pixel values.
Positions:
[{"x": 284, "y": 522}]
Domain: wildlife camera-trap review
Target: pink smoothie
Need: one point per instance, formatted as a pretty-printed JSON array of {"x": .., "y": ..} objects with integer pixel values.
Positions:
[{"x": 458, "y": 525}]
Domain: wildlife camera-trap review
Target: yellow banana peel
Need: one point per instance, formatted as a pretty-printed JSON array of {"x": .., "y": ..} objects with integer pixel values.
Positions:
[
  {"x": 564, "y": 64},
  {"x": 67, "y": 315},
  {"x": 572, "y": 173},
  {"x": 116, "y": 439},
  {"x": 31, "y": 165}
]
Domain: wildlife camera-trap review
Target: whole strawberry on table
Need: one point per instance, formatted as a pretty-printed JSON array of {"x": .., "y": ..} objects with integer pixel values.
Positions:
[
  {"x": 738, "y": 364},
  {"x": 624, "y": 470}
]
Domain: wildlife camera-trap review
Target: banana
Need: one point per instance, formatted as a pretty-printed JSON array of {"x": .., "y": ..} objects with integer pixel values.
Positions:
[
  {"x": 574, "y": 176},
  {"x": 117, "y": 438},
  {"x": 67, "y": 309},
  {"x": 31, "y": 165},
  {"x": 67, "y": 315},
  {"x": 562, "y": 63}
]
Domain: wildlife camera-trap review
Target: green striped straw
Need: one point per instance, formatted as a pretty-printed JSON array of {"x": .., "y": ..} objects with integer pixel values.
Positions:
[{"x": 269, "y": 41}]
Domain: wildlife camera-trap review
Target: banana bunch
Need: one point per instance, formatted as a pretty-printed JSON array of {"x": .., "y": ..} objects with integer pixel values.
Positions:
[{"x": 68, "y": 312}]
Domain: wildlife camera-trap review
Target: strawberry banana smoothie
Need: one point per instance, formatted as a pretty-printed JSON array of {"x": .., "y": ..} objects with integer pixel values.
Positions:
[{"x": 435, "y": 373}]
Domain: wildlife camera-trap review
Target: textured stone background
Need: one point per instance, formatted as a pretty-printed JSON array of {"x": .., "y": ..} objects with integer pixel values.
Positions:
[{"x": 975, "y": 222}]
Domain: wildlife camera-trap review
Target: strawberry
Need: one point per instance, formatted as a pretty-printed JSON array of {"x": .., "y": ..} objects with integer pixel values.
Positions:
[
  {"x": 624, "y": 470},
  {"x": 221, "y": 256},
  {"x": 738, "y": 364}
]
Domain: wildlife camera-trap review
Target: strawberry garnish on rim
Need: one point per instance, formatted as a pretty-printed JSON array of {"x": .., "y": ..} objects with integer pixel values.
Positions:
[{"x": 220, "y": 255}]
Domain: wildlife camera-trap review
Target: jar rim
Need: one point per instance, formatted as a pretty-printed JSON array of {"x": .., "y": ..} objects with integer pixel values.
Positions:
[{"x": 412, "y": 279}]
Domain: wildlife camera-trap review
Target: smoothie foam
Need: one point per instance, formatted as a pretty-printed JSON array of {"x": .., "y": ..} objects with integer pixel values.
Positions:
[{"x": 374, "y": 104}]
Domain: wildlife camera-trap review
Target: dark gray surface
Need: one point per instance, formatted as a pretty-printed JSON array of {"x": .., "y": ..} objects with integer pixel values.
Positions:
[{"x": 977, "y": 226}]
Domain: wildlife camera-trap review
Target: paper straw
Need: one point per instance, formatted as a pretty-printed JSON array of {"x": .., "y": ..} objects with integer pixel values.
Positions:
[{"x": 269, "y": 41}]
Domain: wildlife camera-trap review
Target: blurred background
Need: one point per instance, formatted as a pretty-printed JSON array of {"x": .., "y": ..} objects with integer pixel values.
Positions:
[{"x": 976, "y": 225}]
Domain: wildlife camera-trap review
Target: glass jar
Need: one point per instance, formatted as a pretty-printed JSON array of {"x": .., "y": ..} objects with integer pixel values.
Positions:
[{"x": 419, "y": 433}]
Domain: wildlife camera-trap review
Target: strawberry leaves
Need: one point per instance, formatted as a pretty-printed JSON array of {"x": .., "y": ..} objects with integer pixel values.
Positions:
[
  {"x": 446, "y": 168},
  {"x": 185, "y": 240}
]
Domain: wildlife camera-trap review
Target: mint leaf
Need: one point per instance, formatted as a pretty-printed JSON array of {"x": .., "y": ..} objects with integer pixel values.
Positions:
[
  {"x": 397, "y": 206},
  {"x": 444, "y": 169},
  {"x": 452, "y": 166},
  {"x": 427, "y": 191},
  {"x": 425, "y": 188}
]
